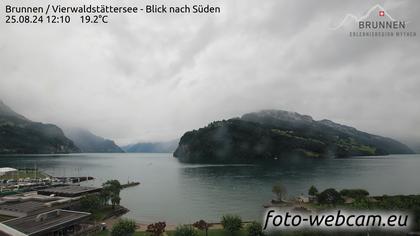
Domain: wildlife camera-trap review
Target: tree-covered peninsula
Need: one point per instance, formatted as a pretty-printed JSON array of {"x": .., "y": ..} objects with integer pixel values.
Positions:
[{"x": 271, "y": 135}]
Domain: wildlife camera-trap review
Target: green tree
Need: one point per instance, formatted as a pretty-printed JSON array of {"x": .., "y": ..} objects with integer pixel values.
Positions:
[
  {"x": 123, "y": 227},
  {"x": 361, "y": 203},
  {"x": 156, "y": 229},
  {"x": 354, "y": 193},
  {"x": 254, "y": 229},
  {"x": 90, "y": 203},
  {"x": 231, "y": 223},
  {"x": 313, "y": 191},
  {"x": 280, "y": 191},
  {"x": 104, "y": 197},
  {"x": 185, "y": 230},
  {"x": 330, "y": 196},
  {"x": 111, "y": 191},
  {"x": 115, "y": 200},
  {"x": 202, "y": 225}
]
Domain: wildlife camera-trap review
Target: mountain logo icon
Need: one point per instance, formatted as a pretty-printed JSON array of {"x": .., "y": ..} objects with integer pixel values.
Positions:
[{"x": 370, "y": 13}]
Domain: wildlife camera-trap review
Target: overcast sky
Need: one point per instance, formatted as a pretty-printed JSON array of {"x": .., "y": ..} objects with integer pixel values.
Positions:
[{"x": 153, "y": 77}]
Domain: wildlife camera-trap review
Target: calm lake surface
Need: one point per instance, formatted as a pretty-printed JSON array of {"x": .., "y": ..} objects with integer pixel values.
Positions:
[{"x": 184, "y": 193}]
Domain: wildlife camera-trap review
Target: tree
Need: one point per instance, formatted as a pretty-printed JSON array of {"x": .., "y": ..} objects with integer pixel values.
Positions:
[
  {"x": 354, "y": 193},
  {"x": 115, "y": 200},
  {"x": 280, "y": 190},
  {"x": 254, "y": 229},
  {"x": 111, "y": 191},
  {"x": 104, "y": 197},
  {"x": 156, "y": 229},
  {"x": 202, "y": 225},
  {"x": 185, "y": 230},
  {"x": 330, "y": 196},
  {"x": 123, "y": 228},
  {"x": 231, "y": 223},
  {"x": 313, "y": 191},
  {"x": 90, "y": 203}
]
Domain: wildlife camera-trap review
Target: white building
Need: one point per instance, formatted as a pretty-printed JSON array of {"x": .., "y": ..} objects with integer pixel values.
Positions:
[
  {"x": 303, "y": 199},
  {"x": 7, "y": 170}
]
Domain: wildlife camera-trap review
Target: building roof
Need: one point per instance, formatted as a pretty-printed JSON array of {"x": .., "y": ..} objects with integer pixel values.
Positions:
[
  {"x": 45, "y": 222},
  {"x": 69, "y": 191},
  {"x": 22, "y": 207},
  {"x": 7, "y": 169}
]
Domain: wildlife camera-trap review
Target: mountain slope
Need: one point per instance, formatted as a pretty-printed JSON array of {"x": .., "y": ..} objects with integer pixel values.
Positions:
[
  {"x": 155, "y": 147},
  {"x": 90, "y": 143},
  {"x": 326, "y": 129},
  {"x": 18, "y": 135},
  {"x": 272, "y": 134},
  {"x": 416, "y": 148},
  {"x": 414, "y": 144},
  {"x": 6, "y": 111}
]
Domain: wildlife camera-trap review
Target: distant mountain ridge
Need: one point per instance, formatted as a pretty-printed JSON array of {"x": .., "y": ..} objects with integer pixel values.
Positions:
[
  {"x": 152, "y": 147},
  {"x": 414, "y": 144},
  {"x": 416, "y": 148},
  {"x": 275, "y": 134},
  {"x": 91, "y": 143},
  {"x": 329, "y": 128},
  {"x": 19, "y": 135},
  {"x": 6, "y": 111}
]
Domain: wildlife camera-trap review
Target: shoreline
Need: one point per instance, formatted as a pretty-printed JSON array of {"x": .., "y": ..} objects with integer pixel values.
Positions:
[{"x": 142, "y": 225}]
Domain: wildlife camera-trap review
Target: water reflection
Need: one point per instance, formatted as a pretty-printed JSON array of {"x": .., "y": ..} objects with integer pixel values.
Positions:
[{"x": 182, "y": 193}]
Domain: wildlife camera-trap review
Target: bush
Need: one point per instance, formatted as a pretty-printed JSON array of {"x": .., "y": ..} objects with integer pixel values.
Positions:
[
  {"x": 90, "y": 203},
  {"x": 202, "y": 225},
  {"x": 254, "y": 229},
  {"x": 362, "y": 203},
  {"x": 280, "y": 191},
  {"x": 111, "y": 191},
  {"x": 312, "y": 191},
  {"x": 185, "y": 230},
  {"x": 354, "y": 193},
  {"x": 231, "y": 223},
  {"x": 123, "y": 228},
  {"x": 156, "y": 229},
  {"x": 330, "y": 196}
]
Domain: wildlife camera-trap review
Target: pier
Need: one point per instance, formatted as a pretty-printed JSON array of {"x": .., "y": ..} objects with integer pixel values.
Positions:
[{"x": 130, "y": 184}]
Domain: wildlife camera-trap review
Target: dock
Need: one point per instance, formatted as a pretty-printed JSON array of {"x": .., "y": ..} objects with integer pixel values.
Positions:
[{"x": 130, "y": 184}]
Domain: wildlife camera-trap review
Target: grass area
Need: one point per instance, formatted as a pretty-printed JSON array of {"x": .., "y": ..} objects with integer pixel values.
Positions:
[
  {"x": 102, "y": 213},
  {"x": 221, "y": 232},
  {"x": 212, "y": 232},
  {"x": 108, "y": 233},
  {"x": 23, "y": 174},
  {"x": 103, "y": 233},
  {"x": 141, "y": 234}
]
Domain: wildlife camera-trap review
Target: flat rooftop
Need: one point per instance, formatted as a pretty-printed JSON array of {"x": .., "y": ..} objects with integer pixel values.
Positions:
[
  {"x": 46, "y": 222},
  {"x": 69, "y": 191},
  {"x": 23, "y": 207}
]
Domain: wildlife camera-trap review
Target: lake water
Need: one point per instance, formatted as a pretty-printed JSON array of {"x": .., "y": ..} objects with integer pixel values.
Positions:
[{"x": 184, "y": 193}]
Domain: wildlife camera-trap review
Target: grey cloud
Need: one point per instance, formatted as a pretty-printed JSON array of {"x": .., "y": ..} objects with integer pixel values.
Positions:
[{"x": 152, "y": 78}]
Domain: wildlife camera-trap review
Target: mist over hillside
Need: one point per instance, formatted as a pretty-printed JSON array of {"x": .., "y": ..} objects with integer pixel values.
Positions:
[
  {"x": 276, "y": 134},
  {"x": 91, "y": 143},
  {"x": 152, "y": 147},
  {"x": 156, "y": 77},
  {"x": 19, "y": 135}
]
